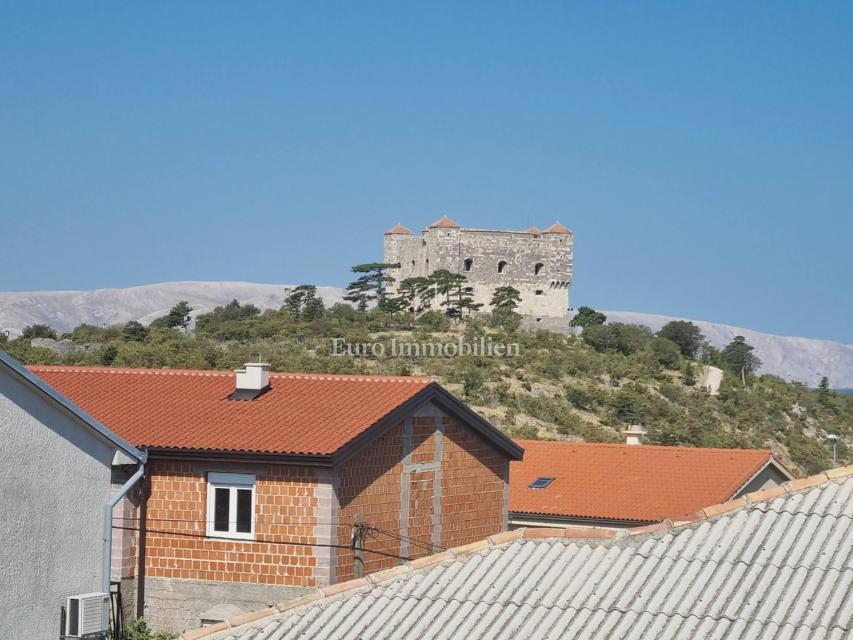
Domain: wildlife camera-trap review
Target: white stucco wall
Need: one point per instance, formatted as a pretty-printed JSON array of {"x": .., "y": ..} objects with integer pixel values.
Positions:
[{"x": 54, "y": 483}]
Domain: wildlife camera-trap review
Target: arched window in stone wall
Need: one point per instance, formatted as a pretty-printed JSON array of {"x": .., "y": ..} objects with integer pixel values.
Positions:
[
  {"x": 537, "y": 268},
  {"x": 501, "y": 266},
  {"x": 469, "y": 262}
]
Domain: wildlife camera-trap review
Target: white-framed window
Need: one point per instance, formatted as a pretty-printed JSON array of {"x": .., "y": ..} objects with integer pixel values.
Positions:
[{"x": 231, "y": 505}]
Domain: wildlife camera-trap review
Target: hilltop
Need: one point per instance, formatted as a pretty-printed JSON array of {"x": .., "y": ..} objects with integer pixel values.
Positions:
[
  {"x": 791, "y": 358},
  {"x": 552, "y": 386}
]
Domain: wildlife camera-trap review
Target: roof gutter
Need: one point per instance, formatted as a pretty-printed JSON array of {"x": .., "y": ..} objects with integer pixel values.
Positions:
[
  {"x": 530, "y": 518},
  {"x": 108, "y": 523},
  {"x": 209, "y": 455}
]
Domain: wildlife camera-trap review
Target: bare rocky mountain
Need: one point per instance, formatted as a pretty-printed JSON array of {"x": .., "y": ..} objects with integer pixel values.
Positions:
[
  {"x": 64, "y": 310},
  {"x": 793, "y": 358},
  {"x": 803, "y": 359}
]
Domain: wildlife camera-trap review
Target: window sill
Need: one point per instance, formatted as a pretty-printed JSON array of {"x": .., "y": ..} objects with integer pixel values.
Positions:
[{"x": 225, "y": 535}]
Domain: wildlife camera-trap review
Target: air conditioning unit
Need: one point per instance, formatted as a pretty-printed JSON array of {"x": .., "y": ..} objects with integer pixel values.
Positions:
[{"x": 87, "y": 616}]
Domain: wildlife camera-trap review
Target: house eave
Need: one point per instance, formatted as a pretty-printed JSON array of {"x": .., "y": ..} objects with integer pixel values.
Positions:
[
  {"x": 213, "y": 455},
  {"x": 521, "y": 517}
]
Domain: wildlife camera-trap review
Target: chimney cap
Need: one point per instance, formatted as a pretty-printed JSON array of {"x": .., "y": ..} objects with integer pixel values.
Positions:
[{"x": 252, "y": 381}]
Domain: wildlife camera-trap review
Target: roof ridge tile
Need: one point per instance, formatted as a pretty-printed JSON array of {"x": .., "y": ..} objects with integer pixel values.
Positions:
[
  {"x": 644, "y": 447},
  {"x": 294, "y": 375}
]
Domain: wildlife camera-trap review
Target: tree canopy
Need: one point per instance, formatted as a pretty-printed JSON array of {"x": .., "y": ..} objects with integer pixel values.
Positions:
[
  {"x": 738, "y": 356},
  {"x": 587, "y": 317},
  {"x": 371, "y": 285},
  {"x": 506, "y": 297},
  {"x": 686, "y": 335},
  {"x": 38, "y": 331}
]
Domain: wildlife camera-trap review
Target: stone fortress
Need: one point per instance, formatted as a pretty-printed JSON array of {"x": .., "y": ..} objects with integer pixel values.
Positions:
[{"x": 536, "y": 262}]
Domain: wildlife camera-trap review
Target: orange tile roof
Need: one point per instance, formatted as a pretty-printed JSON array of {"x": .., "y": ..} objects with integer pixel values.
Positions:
[
  {"x": 642, "y": 483},
  {"x": 557, "y": 228},
  {"x": 444, "y": 223},
  {"x": 398, "y": 229},
  {"x": 302, "y": 413}
]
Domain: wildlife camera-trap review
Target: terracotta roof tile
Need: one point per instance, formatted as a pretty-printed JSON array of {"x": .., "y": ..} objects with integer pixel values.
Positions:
[
  {"x": 302, "y": 413},
  {"x": 643, "y": 483},
  {"x": 444, "y": 223},
  {"x": 398, "y": 229},
  {"x": 557, "y": 228}
]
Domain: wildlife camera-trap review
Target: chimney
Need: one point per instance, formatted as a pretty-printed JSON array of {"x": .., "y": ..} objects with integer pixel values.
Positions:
[
  {"x": 634, "y": 434},
  {"x": 252, "y": 381}
]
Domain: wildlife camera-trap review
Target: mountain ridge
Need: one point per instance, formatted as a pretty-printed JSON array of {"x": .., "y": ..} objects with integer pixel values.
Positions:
[{"x": 790, "y": 357}]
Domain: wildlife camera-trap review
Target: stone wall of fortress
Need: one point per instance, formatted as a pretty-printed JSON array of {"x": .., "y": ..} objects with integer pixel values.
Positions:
[{"x": 537, "y": 263}]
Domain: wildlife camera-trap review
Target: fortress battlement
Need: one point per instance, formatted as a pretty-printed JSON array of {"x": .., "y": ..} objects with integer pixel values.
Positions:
[{"x": 537, "y": 262}]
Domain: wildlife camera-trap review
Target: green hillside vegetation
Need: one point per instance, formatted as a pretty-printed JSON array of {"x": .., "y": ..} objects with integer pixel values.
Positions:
[{"x": 587, "y": 387}]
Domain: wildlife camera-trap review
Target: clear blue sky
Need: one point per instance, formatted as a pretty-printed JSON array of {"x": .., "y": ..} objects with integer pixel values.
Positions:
[{"x": 702, "y": 152}]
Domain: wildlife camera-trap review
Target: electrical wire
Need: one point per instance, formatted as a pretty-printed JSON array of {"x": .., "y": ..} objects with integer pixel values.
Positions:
[
  {"x": 420, "y": 543},
  {"x": 293, "y": 543},
  {"x": 390, "y": 534}
]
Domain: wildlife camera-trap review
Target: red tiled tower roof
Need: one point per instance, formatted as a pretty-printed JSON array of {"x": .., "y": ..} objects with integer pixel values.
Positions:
[
  {"x": 444, "y": 223},
  {"x": 398, "y": 229},
  {"x": 557, "y": 228}
]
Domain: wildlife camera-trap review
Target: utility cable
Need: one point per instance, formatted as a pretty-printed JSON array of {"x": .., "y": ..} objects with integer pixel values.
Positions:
[{"x": 184, "y": 534}]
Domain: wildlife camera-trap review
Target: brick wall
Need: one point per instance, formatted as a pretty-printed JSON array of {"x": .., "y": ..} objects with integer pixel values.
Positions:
[
  {"x": 285, "y": 510},
  {"x": 369, "y": 484},
  {"x": 430, "y": 479},
  {"x": 474, "y": 498}
]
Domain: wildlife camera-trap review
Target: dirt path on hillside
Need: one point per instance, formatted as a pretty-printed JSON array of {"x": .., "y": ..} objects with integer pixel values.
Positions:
[{"x": 711, "y": 379}]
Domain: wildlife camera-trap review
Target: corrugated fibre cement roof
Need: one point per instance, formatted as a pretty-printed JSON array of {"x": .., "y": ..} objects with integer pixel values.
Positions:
[{"x": 777, "y": 564}]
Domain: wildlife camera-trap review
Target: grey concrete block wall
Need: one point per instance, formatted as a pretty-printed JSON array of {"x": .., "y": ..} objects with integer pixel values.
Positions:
[
  {"x": 175, "y": 605},
  {"x": 54, "y": 482},
  {"x": 539, "y": 265}
]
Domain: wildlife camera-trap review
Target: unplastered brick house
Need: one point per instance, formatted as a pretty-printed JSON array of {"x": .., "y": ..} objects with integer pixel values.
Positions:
[{"x": 255, "y": 482}]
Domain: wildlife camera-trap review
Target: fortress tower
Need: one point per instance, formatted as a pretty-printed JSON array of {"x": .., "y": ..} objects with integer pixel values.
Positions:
[{"x": 536, "y": 262}]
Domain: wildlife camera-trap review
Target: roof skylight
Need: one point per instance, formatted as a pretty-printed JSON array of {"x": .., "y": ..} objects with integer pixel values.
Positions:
[{"x": 541, "y": 482}]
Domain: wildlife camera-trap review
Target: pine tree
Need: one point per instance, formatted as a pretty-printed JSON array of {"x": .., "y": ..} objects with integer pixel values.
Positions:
[
  {"x": 134, "y": 331},
  {"x": 303, "y": 303},
  {"x": 414, "y": 295},
  {"x": 458, "y": 297},
  {"x": 738, "y": 357},
  {"x": 179, "y": 315},
  {"x": 370, "y": 285},
  {"x": 506, "y": 298}
]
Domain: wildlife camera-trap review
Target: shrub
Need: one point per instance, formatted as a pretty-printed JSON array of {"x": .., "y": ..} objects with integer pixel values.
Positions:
[
  {"x": 579, "y": 397},
  {"x": 138, "y": 629},
  {"x": 434, "y": 320},
  {"x": 667, "y": 352}
]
